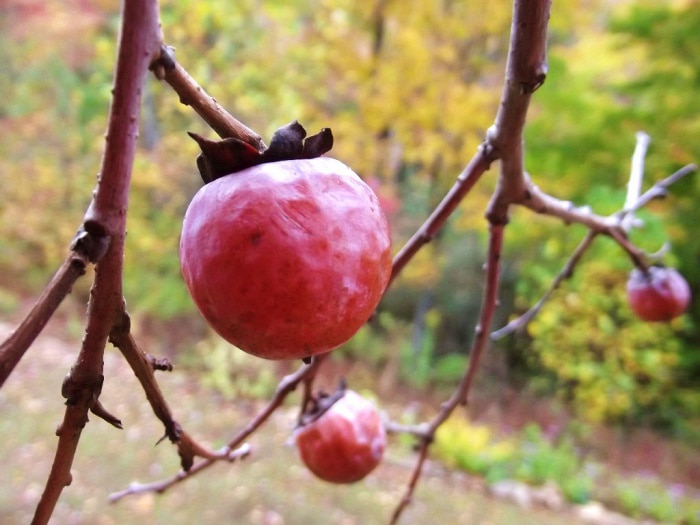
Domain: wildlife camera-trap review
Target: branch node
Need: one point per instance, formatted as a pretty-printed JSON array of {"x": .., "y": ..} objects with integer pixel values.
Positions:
[
  {"x": 488, "y": 147},
  {"x": 122, "y": 327},
  {"x": 165, "y": 62},
  {"x": 75, "y": 390},
  {"x": 533, "y": 85},
  {"x": 92, "y": 245}
]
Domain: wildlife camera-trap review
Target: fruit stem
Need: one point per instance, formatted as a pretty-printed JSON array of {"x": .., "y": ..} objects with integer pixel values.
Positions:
[
  {"x": 320, "y": 405},
  {"x": 165, "y": 67}
]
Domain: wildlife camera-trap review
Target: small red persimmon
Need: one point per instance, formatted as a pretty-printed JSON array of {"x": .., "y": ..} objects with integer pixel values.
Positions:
[
  {"x": 286, "y": 259},
  {"x": 346, "y": 442},
  {"x": 659, "y": 294}
]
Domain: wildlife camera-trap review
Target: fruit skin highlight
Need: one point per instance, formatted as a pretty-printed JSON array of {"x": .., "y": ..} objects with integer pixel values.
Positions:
[
  {"x": 286, "y": 259},
  {"x": 659, "y": 295},
  {"x": 346, "y": 442}
]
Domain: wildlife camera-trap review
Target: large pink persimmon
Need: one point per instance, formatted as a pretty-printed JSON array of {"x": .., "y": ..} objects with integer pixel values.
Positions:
[{"x": 286, "y": 259}]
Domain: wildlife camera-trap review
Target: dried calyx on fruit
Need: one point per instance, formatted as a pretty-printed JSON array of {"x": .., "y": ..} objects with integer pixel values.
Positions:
[
  {"x": 657, "y": 294},
  {"x": 341, "y": 438},
  {"x": 285, "y": 253},
  {"x": 223, "y": 157}
]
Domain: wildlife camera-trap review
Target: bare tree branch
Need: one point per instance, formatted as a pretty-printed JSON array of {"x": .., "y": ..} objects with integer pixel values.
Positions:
[
  {"x": 19, "y": 341},
  {"x": 461, "y": 394},
  {"x": 525, "y": 72},
  {"x": 636, "y": 178},
  {"x": 566, "y": 272},
  {"x": 191, "y": 94},
  {"x": 121, "y": 337},
  {"x": 285, "y": 387},
  {"x": 161, "y": 486},
  {"x": 143, "y": 366},
  {"x": 140, "y": 49},
  {"x": 139, "y": 43},
  {"x": 464, "y": 183},
  {"x": 658, "y": 190}
]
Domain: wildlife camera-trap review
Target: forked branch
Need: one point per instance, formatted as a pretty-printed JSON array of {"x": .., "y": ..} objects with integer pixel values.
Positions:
[
  {"x": 141, "y": 49},
  {"x": 619, "y": 221},
  {"x": 139, "y": 43},
  {"x": 525, "y": 72}
]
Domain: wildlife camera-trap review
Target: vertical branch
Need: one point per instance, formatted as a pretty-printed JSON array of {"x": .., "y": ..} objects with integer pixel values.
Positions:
[
  {"x": 634, "y": 184},
  {"x": 488, "y": 308},
  {"x": 139, "y": 44},
  {"x": 288, "y": 384},
  {"x": 526, "y": 71}
]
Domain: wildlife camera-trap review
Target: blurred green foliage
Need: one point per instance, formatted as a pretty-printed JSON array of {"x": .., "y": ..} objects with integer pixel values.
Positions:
[
  {"x": 409, "y": 94},
  {"x": 532, "y": 457},
  {"x": 474, "y": 448},
  {"x": 527, "y": 456},
  {"x": 230, "y": 372},
  {"x": 601, "y": 359},
  {"x": 644, "y": 497}
]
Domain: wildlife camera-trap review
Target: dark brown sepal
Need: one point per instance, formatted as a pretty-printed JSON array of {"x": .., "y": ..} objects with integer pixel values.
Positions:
[
  {"x": 318, "y": 144},
  {"x": 223, "y": 157},
  {"x": 287, "y": 143}
]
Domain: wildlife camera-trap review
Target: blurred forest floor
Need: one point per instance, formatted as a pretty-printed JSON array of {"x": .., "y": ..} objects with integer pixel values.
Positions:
[{"x": 269, "y": 487}]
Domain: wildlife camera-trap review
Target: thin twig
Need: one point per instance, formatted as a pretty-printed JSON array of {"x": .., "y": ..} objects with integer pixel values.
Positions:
[
  {"x": 143, "y": 366},
  {"x": 636, "y": 178},
  {"x": 158, "y": 487},
  {"x": 19, "y": 341},
  {"x": 192, "y": 94},
  {"x": 545, "y": 204},
  {"x": 420, "y": 431},
  {"x": 122, "y": 338},
  {"x": 566, "y": 272},
  {"x": 284, "y": 388},
  {"x": 464, "y": 183},
  {"x": 659, "y": 190}
]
